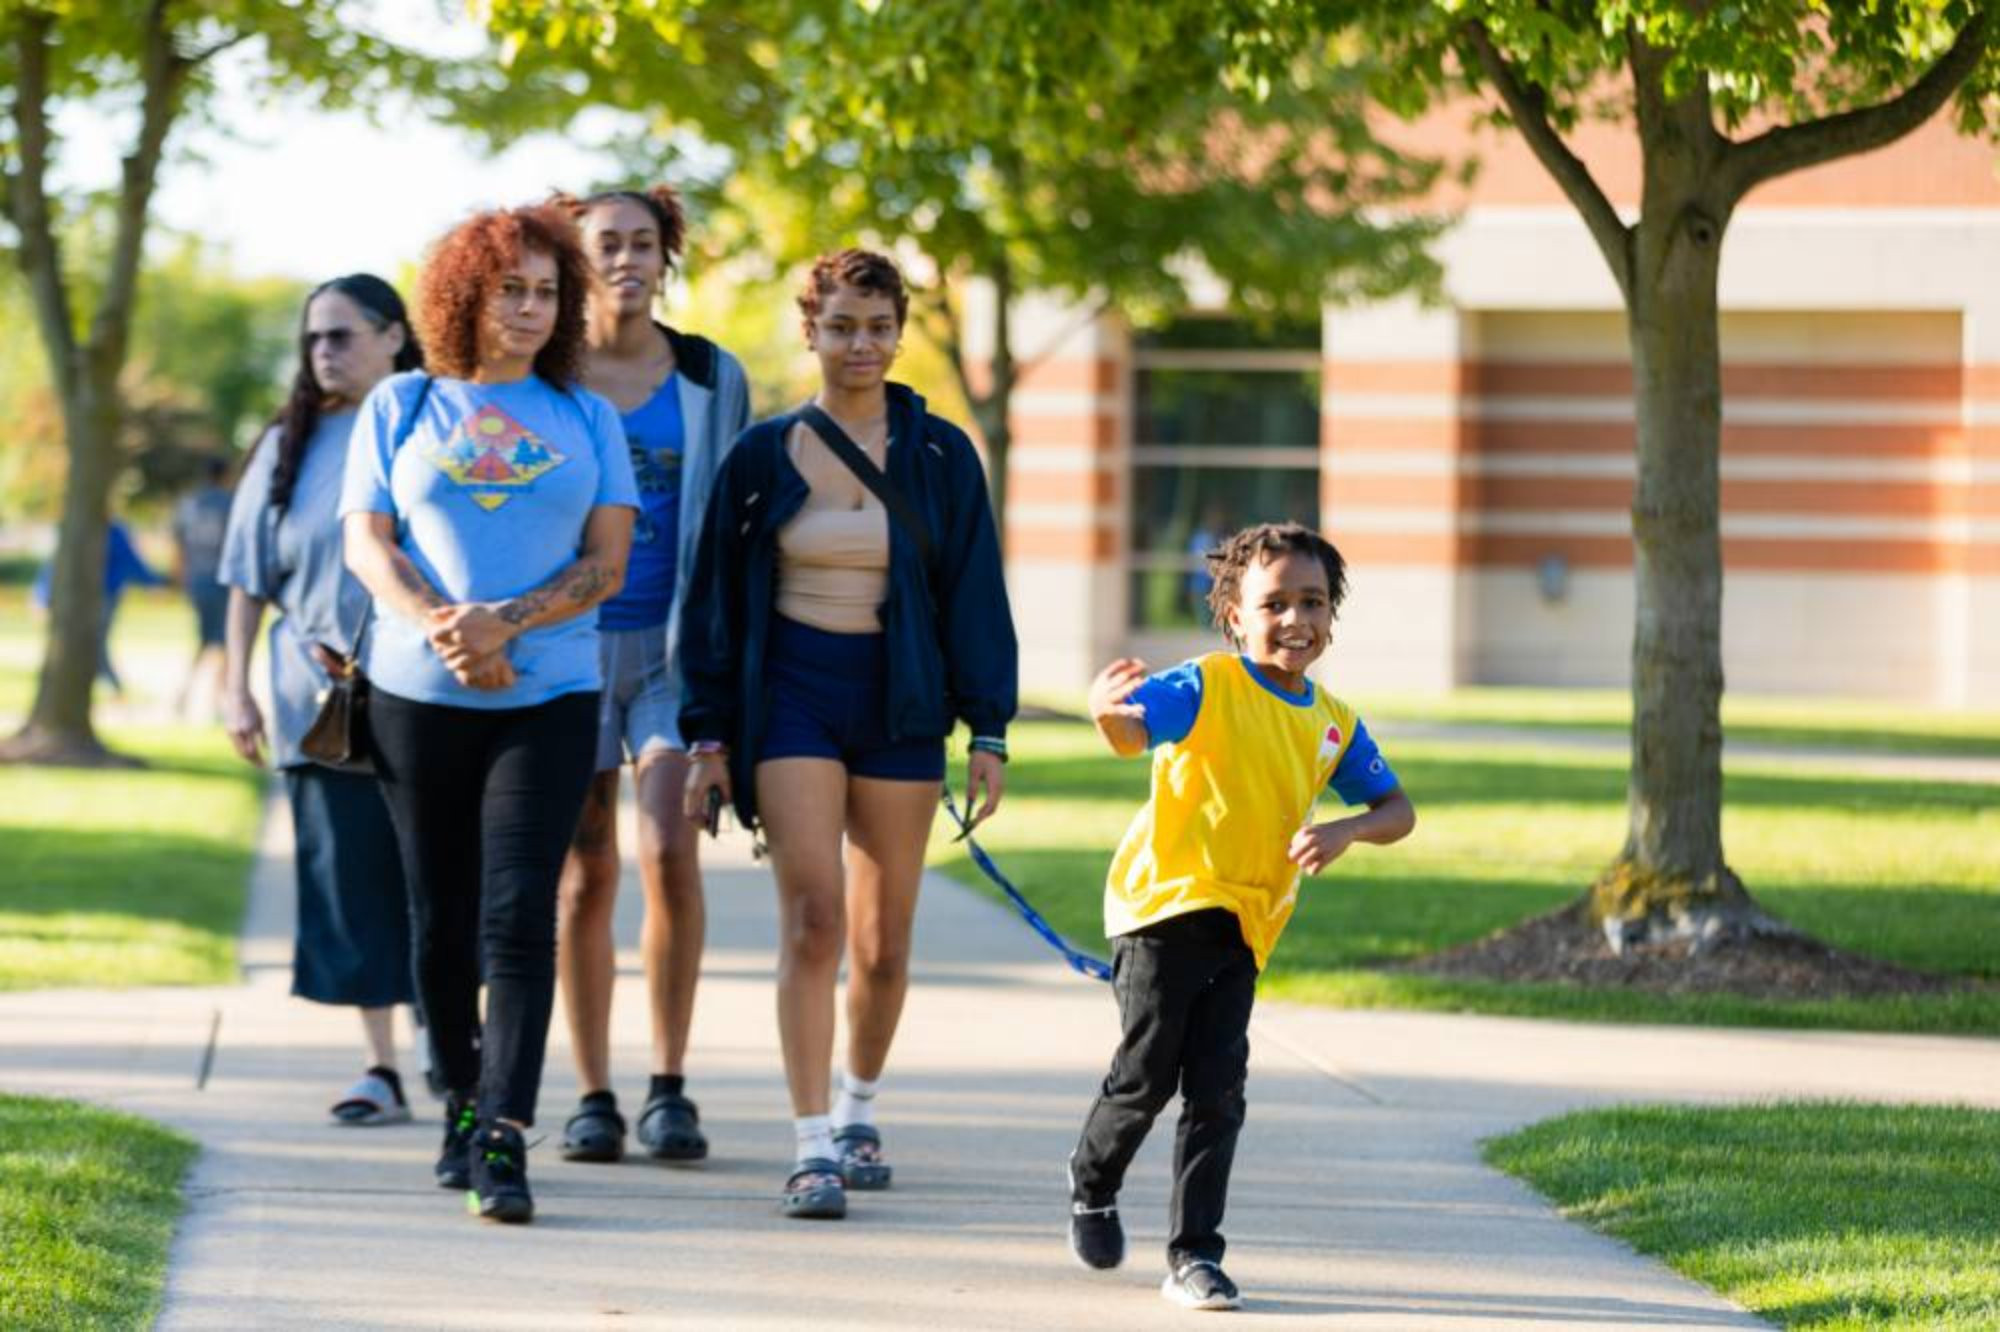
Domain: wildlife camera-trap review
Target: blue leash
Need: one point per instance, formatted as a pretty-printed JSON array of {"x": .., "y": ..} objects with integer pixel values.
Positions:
[{"x": 1082, "y": 963}]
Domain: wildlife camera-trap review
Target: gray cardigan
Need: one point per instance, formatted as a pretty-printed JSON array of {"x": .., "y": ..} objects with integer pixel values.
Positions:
[{"x": 715, "y": 408}]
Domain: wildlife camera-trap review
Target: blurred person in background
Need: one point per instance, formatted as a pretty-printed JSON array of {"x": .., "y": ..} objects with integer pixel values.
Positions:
[
  {"x": 201, "y": 519},
  {"x": 123, "y": 567}
]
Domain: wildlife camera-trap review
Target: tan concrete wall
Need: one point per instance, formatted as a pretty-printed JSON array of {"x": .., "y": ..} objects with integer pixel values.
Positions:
[{"x": 1847, "y": 635}]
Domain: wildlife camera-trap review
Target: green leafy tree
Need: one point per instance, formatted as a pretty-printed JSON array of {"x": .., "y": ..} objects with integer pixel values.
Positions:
[
  {"x": 150, "y": 63},
  {"x": 907, "y": 124},
  {"x": 209, "y": 351},
  {"x": 1721, "y": 98}
]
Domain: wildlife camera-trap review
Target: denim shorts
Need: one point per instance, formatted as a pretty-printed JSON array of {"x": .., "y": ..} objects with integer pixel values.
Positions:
[
  {"x": 638, "y": 712},
  {"x": 827, "y": 701}
]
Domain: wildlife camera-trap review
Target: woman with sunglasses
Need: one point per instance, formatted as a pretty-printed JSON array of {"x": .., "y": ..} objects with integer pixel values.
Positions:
[
  {"x": 852, "y": 612},
  {"x": 282, "y": 549}
]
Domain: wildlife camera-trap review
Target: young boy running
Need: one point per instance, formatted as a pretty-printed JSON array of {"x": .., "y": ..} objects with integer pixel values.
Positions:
[{"x": 1202, "y": 885}]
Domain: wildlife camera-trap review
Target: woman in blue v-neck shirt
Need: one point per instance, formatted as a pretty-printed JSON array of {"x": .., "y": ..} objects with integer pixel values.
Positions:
[{"x": 683, "y": 401}]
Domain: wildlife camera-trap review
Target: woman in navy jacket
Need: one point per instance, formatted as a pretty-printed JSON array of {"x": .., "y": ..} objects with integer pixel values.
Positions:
[{"x": 831, "y": 643}]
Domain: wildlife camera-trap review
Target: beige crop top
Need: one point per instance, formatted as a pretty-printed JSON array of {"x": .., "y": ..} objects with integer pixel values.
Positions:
[{"x": 833, "y": 567}]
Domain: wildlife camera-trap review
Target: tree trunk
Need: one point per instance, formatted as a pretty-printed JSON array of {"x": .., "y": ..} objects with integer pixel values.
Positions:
[
  {"x": 59, "y": 728},
  {"x": 1671, "y": 876},
  {"x": 993, "y": 409}
]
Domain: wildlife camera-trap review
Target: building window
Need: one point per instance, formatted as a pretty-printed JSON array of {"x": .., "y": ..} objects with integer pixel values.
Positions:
[{"x": 1225, "y": 433}]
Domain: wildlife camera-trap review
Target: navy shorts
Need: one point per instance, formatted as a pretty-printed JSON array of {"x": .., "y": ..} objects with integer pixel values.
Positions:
[
  {"x": 827, "y": 702},
  {"x": 211, "y": 611}
]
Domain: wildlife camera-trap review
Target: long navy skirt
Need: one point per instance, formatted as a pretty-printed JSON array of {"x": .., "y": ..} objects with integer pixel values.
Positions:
[{"x": 353, "y": 940}]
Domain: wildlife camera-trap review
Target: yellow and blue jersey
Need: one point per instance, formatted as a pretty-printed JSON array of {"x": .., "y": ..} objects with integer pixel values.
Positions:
[{"x": 1238, "y": 763}]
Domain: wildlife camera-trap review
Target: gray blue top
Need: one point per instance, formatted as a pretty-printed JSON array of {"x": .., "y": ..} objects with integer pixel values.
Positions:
[
  {"x": 201, "y": 522},
  {"x": 293, "y": 561},
  {"x": 490, "y": 493}
]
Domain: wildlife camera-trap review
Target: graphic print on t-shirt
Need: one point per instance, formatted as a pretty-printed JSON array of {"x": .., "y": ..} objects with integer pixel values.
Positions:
[
  {"x": 658, "y": 472},
  {"x": 1329, "y": 744},
  {"x": 492, "y": 457}
]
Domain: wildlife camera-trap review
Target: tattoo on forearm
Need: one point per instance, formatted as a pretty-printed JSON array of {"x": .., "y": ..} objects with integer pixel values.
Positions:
[
  {"x": 413, "y": 581},
  {"x": 582, "y": 584},
  {"x": 587, "y": 582}
]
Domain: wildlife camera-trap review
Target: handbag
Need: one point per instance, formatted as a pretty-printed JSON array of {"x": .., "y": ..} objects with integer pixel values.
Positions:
[{"x": 338, "y": 737}]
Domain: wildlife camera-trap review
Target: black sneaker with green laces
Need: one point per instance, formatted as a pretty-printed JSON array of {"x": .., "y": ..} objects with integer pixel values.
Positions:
[
  {"x": 454, "y": 1163},
  {"x": 500, "y": 1175}
]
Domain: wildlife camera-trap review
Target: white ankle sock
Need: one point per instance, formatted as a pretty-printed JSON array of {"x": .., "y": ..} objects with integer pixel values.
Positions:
[
  {"x": 815, "y": 1135},
  {"x": 856, "y": 1102}
]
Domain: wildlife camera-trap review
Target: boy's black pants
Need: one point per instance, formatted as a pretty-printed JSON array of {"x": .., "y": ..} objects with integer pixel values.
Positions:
[
  {"x": 1184, "y": 987},
  {"x": 485, "y": 803}
]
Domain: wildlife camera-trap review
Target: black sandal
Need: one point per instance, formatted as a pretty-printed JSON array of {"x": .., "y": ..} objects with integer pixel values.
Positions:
[
  {"x": 814, "y": 1192},
  {"x": 861, "y": 1163},
  {"x": 670, "y": 1130},
  {"x": 596, "y": 1132}
]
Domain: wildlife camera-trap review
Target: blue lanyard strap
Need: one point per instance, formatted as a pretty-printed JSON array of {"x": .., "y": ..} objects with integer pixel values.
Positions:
[{"x": 1083, "y": 963}]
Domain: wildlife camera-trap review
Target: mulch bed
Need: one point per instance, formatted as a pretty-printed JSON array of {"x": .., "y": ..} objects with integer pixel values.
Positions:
[{"x": 1563, "y": 946}]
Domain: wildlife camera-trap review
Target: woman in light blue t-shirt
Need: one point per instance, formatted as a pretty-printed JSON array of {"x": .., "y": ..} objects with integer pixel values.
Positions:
[{"x": 488, "y": 509}]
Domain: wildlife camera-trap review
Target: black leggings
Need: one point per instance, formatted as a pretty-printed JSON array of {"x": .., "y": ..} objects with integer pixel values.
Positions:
[{"x": 484, "y": 803}]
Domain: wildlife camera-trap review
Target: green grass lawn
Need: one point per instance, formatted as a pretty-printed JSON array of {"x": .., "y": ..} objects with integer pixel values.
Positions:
[
  {"x": 1908, "y": 871},
  {"x": 88, "y": 1200},
  {"x": 1821, "y": 1216},
  {"x": 123, "y": 877}
]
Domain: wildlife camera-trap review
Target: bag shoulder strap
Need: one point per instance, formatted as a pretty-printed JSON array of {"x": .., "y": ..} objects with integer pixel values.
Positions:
[
  {"x": 403, "y": 431},
  {"x": 865, "y": 471},
  {"x": 409, "y": 421}
]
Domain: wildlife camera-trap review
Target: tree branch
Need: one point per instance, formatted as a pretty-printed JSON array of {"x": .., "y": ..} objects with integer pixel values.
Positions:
[
  {"x": 162, "y": 70},
  {"x": 214, "y": 49},
  {"x": 941, "y": 324},
  {"x": 28, "y": 202},
  {"x": 1529, "y": 107},
  {"x": 1789, "y": 148}
]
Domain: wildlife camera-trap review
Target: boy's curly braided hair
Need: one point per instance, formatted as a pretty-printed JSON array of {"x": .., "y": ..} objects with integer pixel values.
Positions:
[{"x": 1264, "y": 543}]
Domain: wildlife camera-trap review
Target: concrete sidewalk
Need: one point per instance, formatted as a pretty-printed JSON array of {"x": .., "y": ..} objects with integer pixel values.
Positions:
[{"x": 1359, "y": 1200}]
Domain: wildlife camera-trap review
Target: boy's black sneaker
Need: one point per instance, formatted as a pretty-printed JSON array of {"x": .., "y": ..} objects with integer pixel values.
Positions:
[
  {"x": 1201, "y": 1285},
  {"x": 500, "y": 1175},
  {"x": 454, "y": 1163},
  {"x": 1096, "y": 1236}
]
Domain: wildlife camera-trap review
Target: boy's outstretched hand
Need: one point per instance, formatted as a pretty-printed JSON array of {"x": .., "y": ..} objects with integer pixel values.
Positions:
[
  {"x": 1390, "y": 818},
  {"x": 1316, "y": 847},
  {"x": 1121, "y": 723}
]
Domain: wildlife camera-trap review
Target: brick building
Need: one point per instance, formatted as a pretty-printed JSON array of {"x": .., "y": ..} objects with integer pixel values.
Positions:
[{"x": 1475, "y": 461}]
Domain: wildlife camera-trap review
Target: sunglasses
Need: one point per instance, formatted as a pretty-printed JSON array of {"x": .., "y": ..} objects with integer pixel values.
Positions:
[{"x": 336, "y": 339}]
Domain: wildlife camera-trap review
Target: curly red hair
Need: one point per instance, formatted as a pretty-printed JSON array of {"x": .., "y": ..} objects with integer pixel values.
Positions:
[{"x": 464, "y": 269}]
